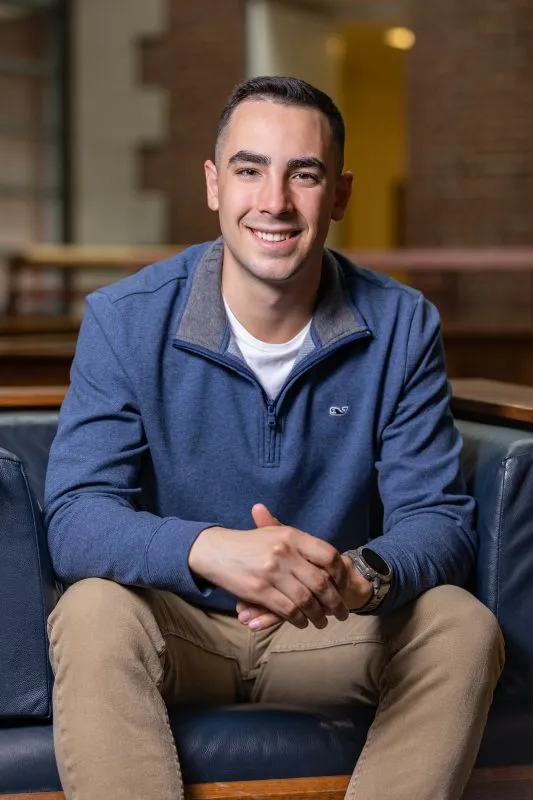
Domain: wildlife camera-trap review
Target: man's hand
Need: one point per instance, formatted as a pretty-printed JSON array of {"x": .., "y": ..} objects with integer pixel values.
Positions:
[
  {"x": 293, "y": 575},
  {"x": 356, "y": 593}
]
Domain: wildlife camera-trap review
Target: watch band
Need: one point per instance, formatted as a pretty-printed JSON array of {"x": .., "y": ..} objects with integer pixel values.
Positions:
[{"x": 381, "y": 581}]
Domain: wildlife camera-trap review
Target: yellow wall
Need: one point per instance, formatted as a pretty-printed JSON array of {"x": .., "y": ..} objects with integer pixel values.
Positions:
[{"x": 373, "y": 103}]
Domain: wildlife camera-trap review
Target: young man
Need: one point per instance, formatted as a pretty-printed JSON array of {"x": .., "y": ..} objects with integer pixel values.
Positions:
[{"x": 231, "y": 412}]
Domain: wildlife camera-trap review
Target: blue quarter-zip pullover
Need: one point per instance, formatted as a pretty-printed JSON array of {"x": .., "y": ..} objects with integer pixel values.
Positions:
[{"x": 165, "y": 431}]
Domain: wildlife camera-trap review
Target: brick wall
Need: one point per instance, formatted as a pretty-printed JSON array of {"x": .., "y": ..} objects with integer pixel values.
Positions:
[
  {"x": 393, "y": 11},
  {"x": 198, "y": 61},
  {"x": 471, "y": 147},
  {"x": 471, "y": 123}
]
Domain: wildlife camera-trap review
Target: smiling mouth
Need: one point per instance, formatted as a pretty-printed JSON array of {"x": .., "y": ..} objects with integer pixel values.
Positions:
[{"x": 266, "y": 236}]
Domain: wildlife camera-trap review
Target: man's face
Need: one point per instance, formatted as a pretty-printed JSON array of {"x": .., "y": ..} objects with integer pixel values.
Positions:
[{"x": 276, "y": 187}]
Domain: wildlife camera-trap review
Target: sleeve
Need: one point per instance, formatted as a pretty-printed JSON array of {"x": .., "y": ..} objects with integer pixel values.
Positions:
[
  {"x": 428, "y": 535},
  {"x": 92, "y": 495}
]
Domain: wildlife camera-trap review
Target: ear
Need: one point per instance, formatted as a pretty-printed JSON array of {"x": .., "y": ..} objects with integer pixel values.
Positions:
[
  {"x": 211, "y": 180},
  {"x": 343, "y": 191}
]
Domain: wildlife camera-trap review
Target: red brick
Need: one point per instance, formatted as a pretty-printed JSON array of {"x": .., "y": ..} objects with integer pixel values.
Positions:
[
  {"x": 471, "y": 123},
  {"x": 198, "y": 61}
]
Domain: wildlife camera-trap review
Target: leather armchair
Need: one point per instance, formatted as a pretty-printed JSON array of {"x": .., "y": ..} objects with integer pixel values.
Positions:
[{"x": 269, "y": 751}]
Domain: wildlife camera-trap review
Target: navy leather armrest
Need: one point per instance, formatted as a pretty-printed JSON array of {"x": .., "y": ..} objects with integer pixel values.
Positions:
[
  {"x": 29, "y": 434},
  {"x": 27, "y": 595},
  {"x": 498, "y": 465}
]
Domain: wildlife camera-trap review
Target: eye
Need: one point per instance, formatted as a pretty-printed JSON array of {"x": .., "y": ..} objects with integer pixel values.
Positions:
[
  {"x": 247, "y": 172},
  {"x": 306, "y": 177}
]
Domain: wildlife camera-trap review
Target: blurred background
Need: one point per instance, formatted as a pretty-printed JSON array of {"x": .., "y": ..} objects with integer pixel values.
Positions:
[{"x": 108, "y": 109}]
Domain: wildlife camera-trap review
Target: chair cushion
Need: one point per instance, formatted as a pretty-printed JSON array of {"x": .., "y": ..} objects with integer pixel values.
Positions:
[
  {"x": 508, "y": 737},
  {"x": 27, "y": 762},
  {"x": 29, "y": 434},
  {"x": 257, "y": 742},
  {"x": 498, "y": 465},
  {"x": 27, "y": 595},
  {"x": 233, "y": 743}
]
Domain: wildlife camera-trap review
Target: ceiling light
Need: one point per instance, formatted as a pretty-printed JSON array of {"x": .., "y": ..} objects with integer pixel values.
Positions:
[
  {"x": 335, "y": 46},
  {"x": 400, "y": 38}
]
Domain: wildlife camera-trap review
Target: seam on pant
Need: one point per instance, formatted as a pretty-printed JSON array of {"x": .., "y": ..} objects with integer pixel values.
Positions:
[
  {"x": 61, "y": 731},
  {"x": 352, "y": 787},
  {"x": 201, "y": 645},
  {"x": 383, "y": 705},
  {"x": 300, "y": 647},
  {"x": 176, "y": 757}
]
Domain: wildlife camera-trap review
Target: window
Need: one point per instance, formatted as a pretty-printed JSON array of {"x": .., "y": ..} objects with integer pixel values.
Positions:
[
  {"x": 33, "y": 134},
  {"x": 32, "y": 122}
]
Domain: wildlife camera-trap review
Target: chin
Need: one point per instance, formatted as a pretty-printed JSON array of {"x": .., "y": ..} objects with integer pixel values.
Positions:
[{"x": 277, "y": 277}]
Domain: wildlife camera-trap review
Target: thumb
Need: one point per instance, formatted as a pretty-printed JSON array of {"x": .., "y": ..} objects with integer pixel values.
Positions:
[{"x": 262, "y": 516}]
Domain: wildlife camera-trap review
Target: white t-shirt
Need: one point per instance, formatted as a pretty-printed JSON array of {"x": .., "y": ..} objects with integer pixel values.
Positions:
[{"x": 271, "y": 363}]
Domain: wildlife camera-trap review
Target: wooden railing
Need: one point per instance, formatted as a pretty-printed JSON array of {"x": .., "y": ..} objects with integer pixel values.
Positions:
[
  {"x": 410, "y": 263},
  {"x": 446, "y": 259},
  {"x": 31, "y": 397},
  {"x": 69, "y": 260},
  {"x": 484, "y": 295}
]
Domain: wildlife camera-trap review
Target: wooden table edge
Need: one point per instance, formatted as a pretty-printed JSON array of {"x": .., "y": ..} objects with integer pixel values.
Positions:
[
  {"x": 485, "y": 398},
  {"x": 28, "y": 397},
  {"x": 321, "y": 788}
]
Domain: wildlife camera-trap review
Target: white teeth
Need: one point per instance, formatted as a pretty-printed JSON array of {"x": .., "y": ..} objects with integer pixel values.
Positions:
[{"x": 273, "y": 237}]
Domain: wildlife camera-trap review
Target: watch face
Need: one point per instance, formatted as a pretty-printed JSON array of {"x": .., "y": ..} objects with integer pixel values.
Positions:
[{"x": 375, "y": 561}]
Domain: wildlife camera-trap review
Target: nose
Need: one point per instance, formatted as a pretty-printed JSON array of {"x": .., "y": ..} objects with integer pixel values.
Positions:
[{"x": 275, "y": 197}]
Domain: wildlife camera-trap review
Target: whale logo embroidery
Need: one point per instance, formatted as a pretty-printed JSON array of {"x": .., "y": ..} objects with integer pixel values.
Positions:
[{"x": 339, "y": 411}]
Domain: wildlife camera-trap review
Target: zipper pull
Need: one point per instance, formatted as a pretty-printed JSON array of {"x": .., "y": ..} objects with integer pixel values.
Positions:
[{"x": 271, "y": 407}]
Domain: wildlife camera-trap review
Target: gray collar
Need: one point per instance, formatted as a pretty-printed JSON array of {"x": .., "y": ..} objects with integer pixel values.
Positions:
[{"x": 204, "y": 322}]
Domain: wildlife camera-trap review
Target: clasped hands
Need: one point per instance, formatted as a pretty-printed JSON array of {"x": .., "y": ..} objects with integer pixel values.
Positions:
[{"x": 279, "y": 573}]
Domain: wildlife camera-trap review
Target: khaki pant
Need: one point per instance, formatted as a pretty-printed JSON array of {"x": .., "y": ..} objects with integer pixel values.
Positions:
[{"x": 120, "y": 654}]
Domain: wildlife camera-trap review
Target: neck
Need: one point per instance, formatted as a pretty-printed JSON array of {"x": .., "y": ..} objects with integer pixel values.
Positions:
[{"x": 273, "y": 313}]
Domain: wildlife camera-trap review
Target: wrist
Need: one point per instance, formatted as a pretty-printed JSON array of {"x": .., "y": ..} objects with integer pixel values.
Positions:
[
  {"x": 199, "y": 560},
  {"x": 378, "y": 574},
  {"x": 367, "y": 592}
]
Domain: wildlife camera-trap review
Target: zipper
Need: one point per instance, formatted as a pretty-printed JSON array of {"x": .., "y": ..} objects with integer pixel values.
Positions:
[
  {"x": 272, "y": 436},
  {"x": 268, "y": 447}
]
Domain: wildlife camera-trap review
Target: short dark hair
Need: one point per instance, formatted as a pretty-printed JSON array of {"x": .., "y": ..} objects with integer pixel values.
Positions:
[{"x": 291, "y": 92}]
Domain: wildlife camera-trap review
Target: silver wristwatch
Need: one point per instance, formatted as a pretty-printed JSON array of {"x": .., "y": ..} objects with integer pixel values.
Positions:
[{"x": 376, "y": 571}]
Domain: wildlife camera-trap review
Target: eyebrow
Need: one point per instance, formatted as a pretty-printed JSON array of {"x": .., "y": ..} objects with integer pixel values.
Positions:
[
  {"x": 307, "y": 163},
  {"x": 250, "y": 157}
]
